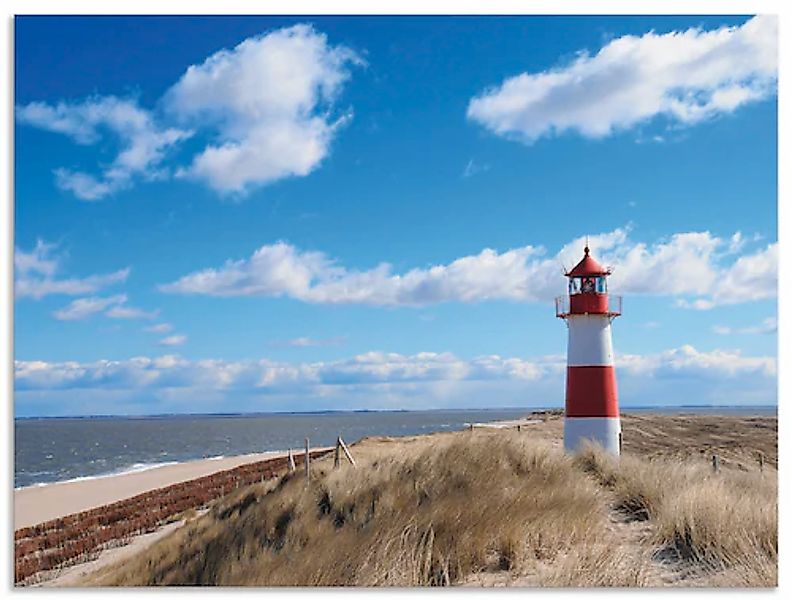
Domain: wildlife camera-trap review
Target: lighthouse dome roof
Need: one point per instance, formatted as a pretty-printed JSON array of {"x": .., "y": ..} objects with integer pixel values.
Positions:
[{"x": 588, "y": 267}]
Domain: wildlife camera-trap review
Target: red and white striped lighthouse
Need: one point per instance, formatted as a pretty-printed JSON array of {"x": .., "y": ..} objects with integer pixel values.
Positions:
[{"x": 592, "y": 405}]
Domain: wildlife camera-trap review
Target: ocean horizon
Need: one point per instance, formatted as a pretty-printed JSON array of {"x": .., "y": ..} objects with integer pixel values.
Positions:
[{"x": 741, "y": 408}]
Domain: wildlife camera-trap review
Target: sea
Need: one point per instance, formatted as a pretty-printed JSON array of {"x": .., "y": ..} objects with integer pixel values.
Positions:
[{"x": 54, "y": 449}]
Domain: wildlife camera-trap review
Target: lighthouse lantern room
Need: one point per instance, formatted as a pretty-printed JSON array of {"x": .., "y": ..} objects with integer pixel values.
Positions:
[{"x": 592, "y": 406}]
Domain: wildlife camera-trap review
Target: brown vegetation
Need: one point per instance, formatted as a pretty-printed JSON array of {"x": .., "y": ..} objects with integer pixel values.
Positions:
[
  {"x": 490, "y": 507},
  {"x": 80, "y": 536},
  {"x": 714, "y": 528}
]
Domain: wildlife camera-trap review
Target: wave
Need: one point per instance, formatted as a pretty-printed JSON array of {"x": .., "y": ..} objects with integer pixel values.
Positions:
[
  {"x": 134, "y": 468},
  {"x": 140, "y": 467}
]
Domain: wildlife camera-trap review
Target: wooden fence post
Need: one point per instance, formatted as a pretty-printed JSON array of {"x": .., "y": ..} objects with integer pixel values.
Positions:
[
  {"x": 715, "y": 463},
  {"x": 337, "y": 460},
  {"x": 761, "y": 461},
  {"x": 307, "y": 460},
  {"x": 518, "y": 428},
  {"x": 471, "y": 427},
  {"x": 346, "y": 451},
  {"x": 292, "y": 466}
]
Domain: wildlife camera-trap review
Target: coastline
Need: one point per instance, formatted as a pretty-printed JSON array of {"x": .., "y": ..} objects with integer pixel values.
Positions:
[
  {"x": 39, "y": 503},
  {"x": 736, "y": 439},
  {"x": 43, "y": 502}
]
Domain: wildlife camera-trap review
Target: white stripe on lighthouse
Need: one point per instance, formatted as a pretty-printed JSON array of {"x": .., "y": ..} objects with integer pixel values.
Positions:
[
  {"x": 600, "y": 430},
  {"x": 590, "y": 343}
]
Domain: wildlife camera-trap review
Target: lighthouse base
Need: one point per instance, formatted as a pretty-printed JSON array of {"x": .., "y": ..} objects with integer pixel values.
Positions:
[{"x": 605, "y": 431}]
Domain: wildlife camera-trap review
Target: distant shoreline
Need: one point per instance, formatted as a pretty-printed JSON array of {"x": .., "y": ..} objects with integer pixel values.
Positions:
[{"x": 762, "y": 408}]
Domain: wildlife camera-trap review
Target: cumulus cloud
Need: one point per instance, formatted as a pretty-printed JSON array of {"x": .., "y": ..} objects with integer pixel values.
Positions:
[
  {"x": 173, "y": 340},
  {"x": 35, "y": 275},
  {"x": 696, "y": 267},
  {"x": 283, "y": 270},
  {"x": 145, "y": 385},
  {"x": 270, "y": 101},
  {"x": 143, "y": 142},
  {"x": 751, "y": 277},
  {"x": 371, "y": 368},
  {"x": 266, "y": 107},
  {"x": 768, "y": 325},
  {"x": 686, "y": 360},
  {"x": 683, "y": 76}
]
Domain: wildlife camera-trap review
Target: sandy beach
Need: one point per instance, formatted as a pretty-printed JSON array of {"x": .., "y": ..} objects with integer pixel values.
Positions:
[{"x": 37, "y": 504}]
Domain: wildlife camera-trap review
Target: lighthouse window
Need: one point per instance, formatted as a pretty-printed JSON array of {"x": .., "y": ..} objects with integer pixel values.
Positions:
[
  {"x": 588, "y": 285},
  {"x": 574, "y": 285},
  {"x": 602, "y": 285}
]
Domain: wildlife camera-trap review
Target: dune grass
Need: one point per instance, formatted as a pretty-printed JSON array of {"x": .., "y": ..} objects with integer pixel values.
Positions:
[
  {"x": 456, "y": 505},
  {"x": 722, "y": 526}
]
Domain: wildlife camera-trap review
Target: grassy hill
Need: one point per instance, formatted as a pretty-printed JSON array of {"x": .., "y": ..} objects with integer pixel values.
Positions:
[{"x": 497, "y": 507}]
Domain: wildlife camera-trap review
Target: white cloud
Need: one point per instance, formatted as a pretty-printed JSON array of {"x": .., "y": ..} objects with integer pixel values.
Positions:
[
  {"x": 130, "y": 312},
  {"x": 83, "y": 308},
  {"x": 686, "y": 360},
  {"x": 684, "y": 76},
  {"x": 282, "y": 269},
  {"x": 768, "y": 325},
  {"x": 159, "y": 328},
  {"x": 173, "y": 340},
  {"x": 697, "y": 268},
  {"x": 38, "y": 261},
  {"x": 270, "y": 101},
  {"x": 472, "y": 168},
  {"x": 751, "y": 277},
  {"x": 368, "y": 369},
  {"x": 143, "y": 142},
  {"x": 85, "y": 186},
  {"x": 36, "y": 272},
  {"x": 114, "y": 307}
]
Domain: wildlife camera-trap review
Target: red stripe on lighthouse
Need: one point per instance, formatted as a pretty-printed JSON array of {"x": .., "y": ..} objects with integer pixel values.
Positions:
[{"x": 591, "y": 392}]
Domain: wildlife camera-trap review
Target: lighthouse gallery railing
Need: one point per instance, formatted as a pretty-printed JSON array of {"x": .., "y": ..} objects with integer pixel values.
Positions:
[{"x": 562, "y": 306}]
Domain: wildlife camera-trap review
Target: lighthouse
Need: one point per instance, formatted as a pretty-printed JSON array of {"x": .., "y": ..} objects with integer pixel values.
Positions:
[{"x": 592, "y": 405}]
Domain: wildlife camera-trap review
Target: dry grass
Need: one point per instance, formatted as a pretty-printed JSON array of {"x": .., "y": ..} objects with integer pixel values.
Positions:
[
  {"x": 738, "y": 440},
  {"x": 722, "y": 527},
  {"x": 460, "y": 508},
  {"x": 429, "y": 517}
]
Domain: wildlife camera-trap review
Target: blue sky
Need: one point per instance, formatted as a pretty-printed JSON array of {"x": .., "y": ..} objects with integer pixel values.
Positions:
[{"x": 250, "y": 213}]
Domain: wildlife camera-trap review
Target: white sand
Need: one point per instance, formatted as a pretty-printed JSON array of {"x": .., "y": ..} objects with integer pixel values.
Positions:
[{"x": 37, "y": 504}]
